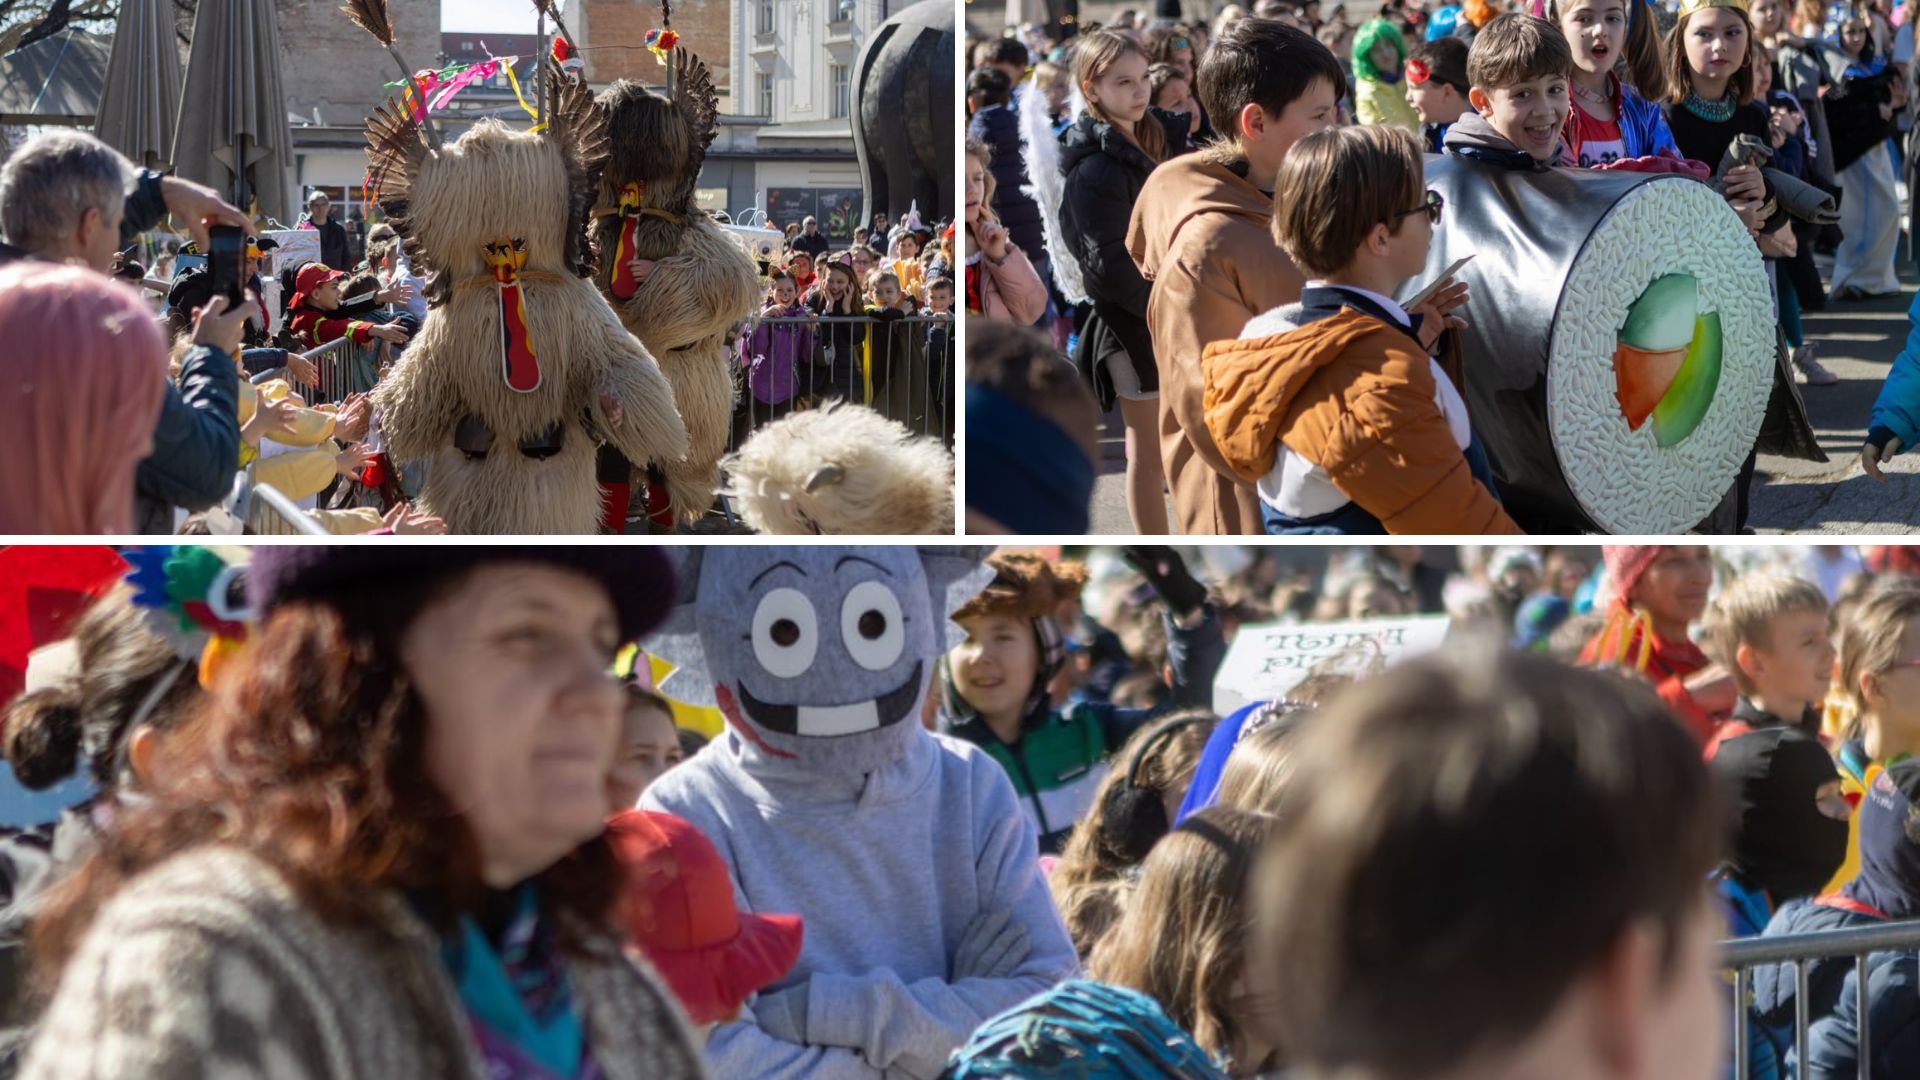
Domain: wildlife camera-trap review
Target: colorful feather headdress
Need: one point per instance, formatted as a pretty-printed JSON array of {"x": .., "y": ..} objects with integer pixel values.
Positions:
[{"x": 195, "y": 599}]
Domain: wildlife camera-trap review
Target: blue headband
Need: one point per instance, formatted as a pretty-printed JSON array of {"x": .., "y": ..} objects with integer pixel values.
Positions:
[{"x": 1022, "y": 470}]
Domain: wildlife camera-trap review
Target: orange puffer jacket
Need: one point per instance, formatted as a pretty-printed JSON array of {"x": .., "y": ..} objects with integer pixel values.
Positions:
[{"x": 1356, "y": 398}]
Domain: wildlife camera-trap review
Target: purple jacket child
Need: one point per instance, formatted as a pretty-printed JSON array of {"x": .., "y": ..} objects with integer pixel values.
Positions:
[{"x": 774, "y": 353}]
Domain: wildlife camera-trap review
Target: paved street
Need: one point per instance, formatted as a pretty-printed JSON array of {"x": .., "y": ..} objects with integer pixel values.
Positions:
[{"x": 1856, "y": 341}]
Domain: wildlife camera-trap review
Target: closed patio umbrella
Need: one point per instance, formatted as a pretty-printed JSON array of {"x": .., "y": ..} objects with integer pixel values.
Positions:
[
  {"x": 233, "y": 132},
  {"x": 141, "y": 98}
]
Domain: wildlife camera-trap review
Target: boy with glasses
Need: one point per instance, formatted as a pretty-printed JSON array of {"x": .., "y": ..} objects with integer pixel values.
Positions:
[{"x": 1335, "y": 408}]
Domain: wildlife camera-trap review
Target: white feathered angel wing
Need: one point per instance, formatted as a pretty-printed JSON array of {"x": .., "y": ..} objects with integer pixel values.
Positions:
[{"x": 1045, "y": 185}]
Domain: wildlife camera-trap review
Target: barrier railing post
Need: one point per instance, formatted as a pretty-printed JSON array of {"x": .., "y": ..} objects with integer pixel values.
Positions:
[
  {"x": 896, "y": 357},
  {"x": 1856, "y": 943},
  {"x": 1802, "y": 1012},
  {"x": 1742, "y": 1052},
  {"x": 1863, "y": 1038}
]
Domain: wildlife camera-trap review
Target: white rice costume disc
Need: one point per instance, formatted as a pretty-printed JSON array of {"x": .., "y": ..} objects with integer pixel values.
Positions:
[
  {"x": 1626, "y": 479},
  {"x": 1622, "y": 347}
]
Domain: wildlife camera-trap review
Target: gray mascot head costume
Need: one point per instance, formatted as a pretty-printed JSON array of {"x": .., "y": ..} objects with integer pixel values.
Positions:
[{"x": 818, "y": 656}]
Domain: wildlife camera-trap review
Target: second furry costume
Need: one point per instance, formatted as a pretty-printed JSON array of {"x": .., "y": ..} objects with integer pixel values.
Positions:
[
  {"x": 508, "y": 385},
  {"x": 702, "y": 281}
]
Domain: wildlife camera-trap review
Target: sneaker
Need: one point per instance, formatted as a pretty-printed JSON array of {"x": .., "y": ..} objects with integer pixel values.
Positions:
[{"x": 1811, "y": 371}]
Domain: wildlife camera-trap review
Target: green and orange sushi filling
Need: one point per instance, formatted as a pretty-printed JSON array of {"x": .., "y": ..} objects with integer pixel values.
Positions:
[{"x": 1667, "y": 364}]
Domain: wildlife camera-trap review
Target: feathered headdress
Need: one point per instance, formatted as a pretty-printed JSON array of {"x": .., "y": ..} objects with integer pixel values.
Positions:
[
  {"x": 194, "y": 598},
  {"x": 396, "y": 154}
]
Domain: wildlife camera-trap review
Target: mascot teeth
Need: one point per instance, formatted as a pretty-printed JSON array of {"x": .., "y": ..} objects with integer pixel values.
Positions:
[{"x": 827, "y": 720}]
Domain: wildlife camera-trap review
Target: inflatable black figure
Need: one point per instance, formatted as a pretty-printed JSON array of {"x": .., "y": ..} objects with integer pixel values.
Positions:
[{"x": 903, "y": 127}]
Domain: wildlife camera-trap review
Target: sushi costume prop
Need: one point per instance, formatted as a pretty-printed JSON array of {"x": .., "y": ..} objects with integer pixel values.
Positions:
[
  {"x": 703, "y": 281},
  {"x": 520, "y": 368},
  {"x": 825, "y": 789},
  {"x": 1622, "y": 349}
]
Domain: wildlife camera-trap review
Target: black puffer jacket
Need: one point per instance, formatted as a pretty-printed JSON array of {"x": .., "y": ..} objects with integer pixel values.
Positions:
[
  {"x": 196, "y": 442},
  {"x": 1104, "y": 173},
  {"x": 999, "y": 127}
]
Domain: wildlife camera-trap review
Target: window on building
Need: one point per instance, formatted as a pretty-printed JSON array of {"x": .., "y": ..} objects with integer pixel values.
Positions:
[
  {"x": 766, "y": 93},
  {"x": 765, "y": 25},
  {"x": 842, "y": 82}
]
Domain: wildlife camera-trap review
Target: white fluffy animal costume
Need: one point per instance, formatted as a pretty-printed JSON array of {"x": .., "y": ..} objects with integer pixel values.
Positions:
[
  {"x": 844, "y": 470},
  {"x": 503, "y": 391},
  {"x": 702, "y": 282},
  {"x": 904, "y": 851}
]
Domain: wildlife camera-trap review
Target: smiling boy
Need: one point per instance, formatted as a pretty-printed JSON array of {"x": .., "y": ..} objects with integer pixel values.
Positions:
[
  {"x": 1519, "y": 68},
  {"x": 1200, "y": 234}
]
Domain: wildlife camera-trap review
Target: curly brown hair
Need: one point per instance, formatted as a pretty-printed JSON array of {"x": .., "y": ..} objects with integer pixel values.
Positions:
[{"x": 311, "y": 755}]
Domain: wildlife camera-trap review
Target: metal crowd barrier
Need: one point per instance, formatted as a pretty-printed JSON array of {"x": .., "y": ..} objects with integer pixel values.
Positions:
[
  {"x": 344, "y": 368},
  {"x": 912, "y": 363},
  {"x": 269, "y": 513},
  {"x": 1742, "y": 955}
]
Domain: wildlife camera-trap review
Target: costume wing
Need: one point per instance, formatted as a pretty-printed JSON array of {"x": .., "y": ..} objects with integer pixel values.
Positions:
[
  {"x": 579, "y": 128},
  {"x": 697, "y": 101},
  {"x": 396, "y": 150},
  {"x": 1045, "y": 184}
]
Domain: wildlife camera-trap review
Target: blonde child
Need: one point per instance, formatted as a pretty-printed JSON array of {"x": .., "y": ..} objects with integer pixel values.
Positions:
[
  {"x": 1880, "y": 678},
  {"x": 1770, "y": 632}
]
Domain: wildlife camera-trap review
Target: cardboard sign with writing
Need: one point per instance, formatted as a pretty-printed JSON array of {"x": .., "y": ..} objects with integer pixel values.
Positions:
[{"x": 1268, "y": 659}]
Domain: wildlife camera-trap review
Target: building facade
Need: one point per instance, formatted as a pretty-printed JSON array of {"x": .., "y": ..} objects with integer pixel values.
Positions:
[
  {"x": 793, "y": 73},
  {"x": 613, "y": 35},
  {"x": 334, "y": 73}
]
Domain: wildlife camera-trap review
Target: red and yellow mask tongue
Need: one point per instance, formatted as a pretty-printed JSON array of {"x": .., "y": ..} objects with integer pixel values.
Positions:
[
  {"x": 624, "y": 285},
  {"x": 518, "y": 364}
]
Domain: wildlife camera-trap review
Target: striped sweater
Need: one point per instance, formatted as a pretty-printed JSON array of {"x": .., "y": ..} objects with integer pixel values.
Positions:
[{"x": 210, "y": 965}]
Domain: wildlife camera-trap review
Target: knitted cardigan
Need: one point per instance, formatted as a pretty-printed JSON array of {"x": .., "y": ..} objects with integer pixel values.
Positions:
[{"x": 210, "y": 965}]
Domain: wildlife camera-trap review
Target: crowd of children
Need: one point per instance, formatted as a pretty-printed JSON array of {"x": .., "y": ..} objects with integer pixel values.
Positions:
[
  {"x": 1085, "y": 862},
  {"x": 870, "y": 324},
  {"x": 1786, "y": 113}
]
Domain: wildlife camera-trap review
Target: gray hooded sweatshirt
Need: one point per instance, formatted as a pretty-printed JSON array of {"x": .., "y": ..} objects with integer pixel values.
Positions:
[{"x": 888, "y": 871}]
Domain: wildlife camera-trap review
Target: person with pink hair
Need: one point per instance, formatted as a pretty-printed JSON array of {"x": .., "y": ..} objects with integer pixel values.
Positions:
[{"x": 80, "y": 392}]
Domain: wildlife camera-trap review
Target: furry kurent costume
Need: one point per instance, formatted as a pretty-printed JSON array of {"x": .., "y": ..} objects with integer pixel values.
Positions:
[
  {"x": 703, "y": 281},
  {"x": 904, "y": 851},
  {"x": 504, "y": 390},
  {"x": 842, "y": 469}
]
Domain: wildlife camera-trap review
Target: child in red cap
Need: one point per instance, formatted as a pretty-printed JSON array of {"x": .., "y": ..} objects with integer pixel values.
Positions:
[
  {"x": 313, "y": 318},
  {"x": 679, "y": 912},
  {"x": 1658, "y": 591}
]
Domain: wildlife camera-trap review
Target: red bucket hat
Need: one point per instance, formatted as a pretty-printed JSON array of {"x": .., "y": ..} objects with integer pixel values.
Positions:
[
  {"x": 679, "y": 910},
  {"x": 1628, "y": 563},
  {"x": 311, "y": 277}
]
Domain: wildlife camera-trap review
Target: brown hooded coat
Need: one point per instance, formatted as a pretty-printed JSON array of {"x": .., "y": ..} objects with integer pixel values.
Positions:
[{"x": 1201, "y": 235}]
